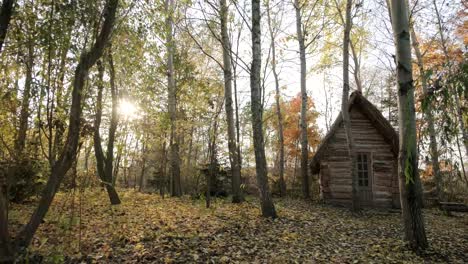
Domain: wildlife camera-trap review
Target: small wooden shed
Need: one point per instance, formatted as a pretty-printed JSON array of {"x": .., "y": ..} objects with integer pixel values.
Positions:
[{"x": 376, "y": 143}]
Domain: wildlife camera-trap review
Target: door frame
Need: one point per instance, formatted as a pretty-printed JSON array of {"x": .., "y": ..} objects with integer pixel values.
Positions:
[{"x": 370, "y": 171}]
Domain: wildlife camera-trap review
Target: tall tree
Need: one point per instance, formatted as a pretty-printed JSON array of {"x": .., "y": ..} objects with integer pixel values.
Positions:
[
  {"x": 345, "y": 106},
  {"x": 24, "y": 114},
  {"x": 87, "y": 59},
  {"x": 268, "y": 208},
  {"x": 104, "y": 163},
  {"x": 448, "y": 64},
  {"x": 232, "y": 142},
  {"x": 303, "y": 124},
  {"x": 428, "y": 113},
  {"x": 410, "y": 185},
  {"x": 172, "y": 107},
  {"x": 273, "y": 32},
  {"x": 5, "y": 248}
]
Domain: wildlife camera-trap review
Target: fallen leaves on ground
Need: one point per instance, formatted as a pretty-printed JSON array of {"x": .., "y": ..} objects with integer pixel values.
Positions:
[{"x": 84, "y": 228}]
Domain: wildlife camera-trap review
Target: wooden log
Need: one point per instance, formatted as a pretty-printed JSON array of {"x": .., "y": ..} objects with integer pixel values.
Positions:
[{"x": 453, "y": 207}]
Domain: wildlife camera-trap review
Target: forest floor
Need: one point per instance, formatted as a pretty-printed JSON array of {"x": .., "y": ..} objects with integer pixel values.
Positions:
[{"x": 148, "y": 229}]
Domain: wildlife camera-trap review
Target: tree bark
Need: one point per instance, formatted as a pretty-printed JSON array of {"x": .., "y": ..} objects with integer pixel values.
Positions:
[
  {"x": 6, "y": 253},
  {"x": 5, "y": 16},
  {"x": 237, "y": 196},
  {"x": 268, "y": 208},
  {"x": 103, "y": 162},
  {"x": 24, "y": 115},
  {"x": 429, "y": 116},
  {"x": 345, "y": 107},
  {"x": 410, "y": 185},
  {"x": 63, "y": 164},
  {"x": 282, "y": 184},
  {"x": 304, "y": 141},
  {"x": 175, "y": 160}
]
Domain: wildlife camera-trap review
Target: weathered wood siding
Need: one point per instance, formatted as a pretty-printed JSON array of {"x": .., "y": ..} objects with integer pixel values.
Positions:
[{"x": 335, "y": 166}]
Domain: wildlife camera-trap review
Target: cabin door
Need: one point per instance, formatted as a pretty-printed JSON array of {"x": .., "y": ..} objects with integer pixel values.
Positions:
[{"x": 364, "y": 178}]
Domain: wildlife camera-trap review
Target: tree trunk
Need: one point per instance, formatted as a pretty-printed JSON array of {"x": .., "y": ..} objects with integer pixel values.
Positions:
[
  {"x": 59, "y": 124},
  {"x": 102, "y": 162},
  {"x": 118, "y": 158},
  {"x": 63, "y": 164},
  {"x": 234, "y": 72},
  {"x": 357, "y": 64},
  {"x": 143, "y": 164},
  {"x": 212, "y": 155},
  {"x": 268, "y": 208},
  {"x": 24, "y": 115},
  {"x": 357, "y": 67},
  {"x": 282, "y": 184},
  {"x": 410, "y": 185},
  {"x": 163, "y": 168},
  {"x": 175, "y": 160},
  {"x": 114, "y": 121},
  {"x": 5, "y": 16},
  {"x": 6, "y": 254},
  {"x": 237, "y": 196},
  {"x": 345, "y": 107},
  {"x": 304, "y": 143},
  {"x": 429, "y": 116}
]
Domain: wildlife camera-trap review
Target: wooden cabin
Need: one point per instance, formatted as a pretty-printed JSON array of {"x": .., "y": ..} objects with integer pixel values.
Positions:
[{"x": 376, "y": 145}]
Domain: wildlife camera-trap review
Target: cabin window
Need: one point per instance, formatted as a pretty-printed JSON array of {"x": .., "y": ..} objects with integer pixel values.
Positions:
[{"x": 363, "y": 169}]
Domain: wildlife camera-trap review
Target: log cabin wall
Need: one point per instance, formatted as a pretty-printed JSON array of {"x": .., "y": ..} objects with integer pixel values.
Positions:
[{"x": 335, "y": 166}]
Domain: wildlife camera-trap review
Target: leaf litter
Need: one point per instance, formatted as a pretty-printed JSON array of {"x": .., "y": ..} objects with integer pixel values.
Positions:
[{"x": 146, "y": 228}]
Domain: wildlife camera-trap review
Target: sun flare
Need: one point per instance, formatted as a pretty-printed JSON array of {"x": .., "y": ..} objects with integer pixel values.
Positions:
[{"x": 128, "y": 109}]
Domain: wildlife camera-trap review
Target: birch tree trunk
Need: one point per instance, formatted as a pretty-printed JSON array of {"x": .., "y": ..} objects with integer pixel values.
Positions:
[
  {"x": 303, "y": 124},
  {"x": 345, "y": 107},
  {"x": 227, "y": 69},
  {"x": 282, "y": 184},
  {"x": 410, "y": 185},
  {"x": 268, "y": 208},
  {"x": 174, "y": 149},
  {"x": 429, "y": 116}
]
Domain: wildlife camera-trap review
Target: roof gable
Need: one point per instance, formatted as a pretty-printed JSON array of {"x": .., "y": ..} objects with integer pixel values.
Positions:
[{"x": 372, "y": 113}]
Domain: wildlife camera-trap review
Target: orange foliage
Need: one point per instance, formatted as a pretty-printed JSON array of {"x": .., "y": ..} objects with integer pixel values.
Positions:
[{"x": 291, "y": 116}]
